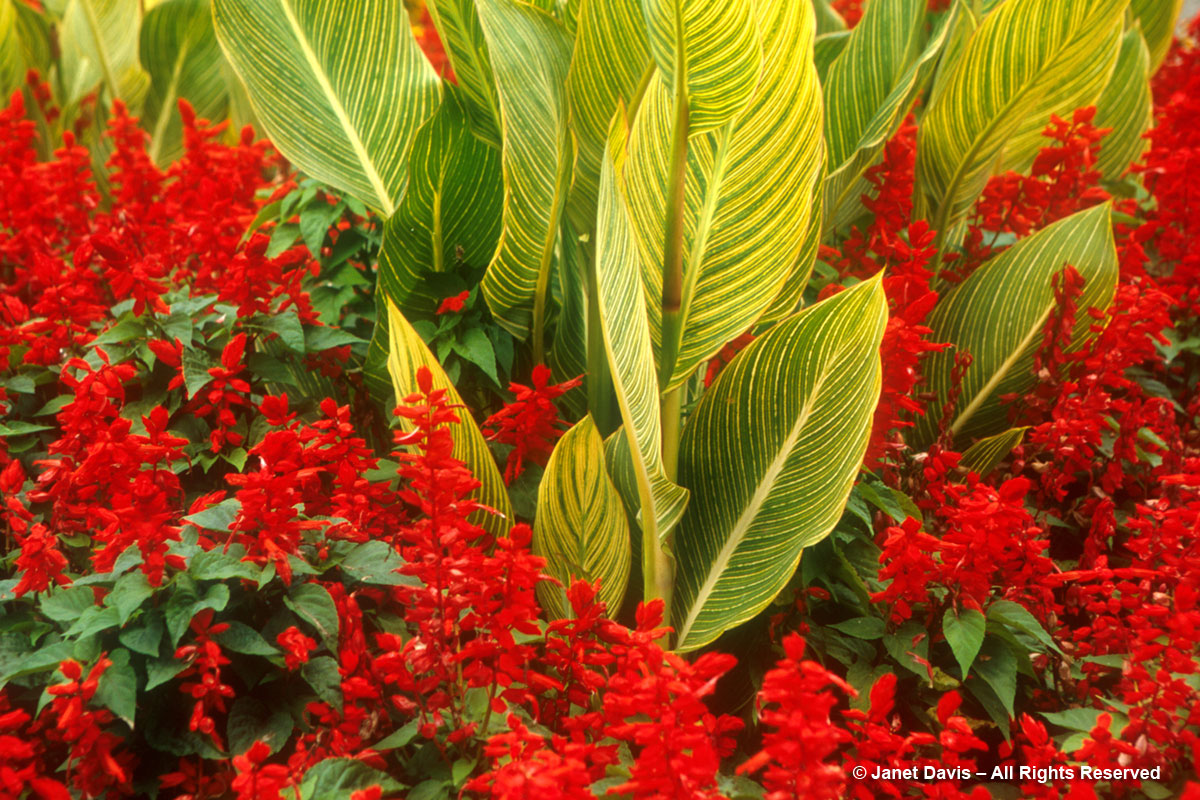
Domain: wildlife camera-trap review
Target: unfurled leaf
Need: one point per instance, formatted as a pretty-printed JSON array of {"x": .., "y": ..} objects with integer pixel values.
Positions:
[
  {"x": 580, "y": 528},
  {"x": 341, "y": 89},
  {"x": 770, "y": 456},
  {"x": 1127, "y": 107},
  {"x": 964, "y": 633}
]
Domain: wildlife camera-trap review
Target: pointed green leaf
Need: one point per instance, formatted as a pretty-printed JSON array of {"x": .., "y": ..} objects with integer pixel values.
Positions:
[
  {"x": 998, "y": 313},
  {"x": 530, "y": 57},
  {"x": 407, "y": 353},
  {"x": 180, "y": 52},
  {"x": 964, "y": 633},
  {"x": 580, "y": 527},
  {"x": 1127, "y": 107},
  {"x": 770, "y": 456},
  {"x": 748, "y": 197},
  {"x": 340, "y": 88},
  {"x": 99, "y": 41},
  {"x": 450, "y": 213},
  {"x": 1157, "y": 18},
  {"x": 997, "y": 665},
  {"x": 983, "y": 456},
  {"x": 1027, "y": 60}
]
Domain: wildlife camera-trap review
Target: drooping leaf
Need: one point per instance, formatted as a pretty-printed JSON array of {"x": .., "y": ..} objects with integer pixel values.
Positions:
[
  {"x": 1127, "y": 107},
  {"x": 983, "y": 456},
  {"x": 407, "y": 353},
  {"x": 340, "y": 88},
  {"x": 99, "y": 41},
  {"x": 997, "y": 666},
  {"x": 869, "y": 89},
  {"x": 179, "y": 50},
  {"x": 450, "y": 213},
  {"x": 998, "y": 313},
  {"x": 580, "y": 527},
  {"x": 770, "y": 456},
  {"x": 748, "y": 198},
  {"x": 462, "y": 37},
  {"x": 530, "y": 56},
  {"x": 1157, "y": 18},
  {"x": 712, "y": 47},
  {"x": 1028, "y": 59},
  {"x": 964, "y": 633}
]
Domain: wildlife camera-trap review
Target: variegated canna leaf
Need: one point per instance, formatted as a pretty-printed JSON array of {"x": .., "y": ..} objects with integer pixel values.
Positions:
[
  {"x": 99, "y": 41},
  {"x": 749, "y": 196},
  {"x": 580, "y": 528},
  {"x": 770, "y": 456},
  {"x": 983, "y": 456},
  {"x": 1157, "y": 19},
  {"x": 462, "y": 37},
  {"x": 530, "y": 56},
  {"x": 998, "y": 313},
  {"x": 341, "y": 88},
  {"x": 1126, "y": 107},
  {"x": 1027, "y": 60},
  {"x": 12, "y": 61},
  {"x": 407, "y": 353}
]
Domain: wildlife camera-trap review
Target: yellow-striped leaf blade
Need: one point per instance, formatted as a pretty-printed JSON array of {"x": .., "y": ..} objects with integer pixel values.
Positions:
[
  {"x": 407, "y": 353},
  {"x": 748, "y": 200},
  {"x": 341, "y": 88},
  {"x": 713, "y": 47},
  {"x": 791, "y": 295},
  {"x": 530, "y": 56},
  {"x": 998, "y": 313},
  {"x": 869, "y": 89},
  {"x": 983, "y": 456},
  {"x": 626, "y": 332},
  {"x": 1127, "y": 107},
  {"x": 12, "y": 61},
  {"x": 179, "y": 50},
  {"x": 458, "y": 27},
  {"x": 450, "y": 212},
  {"x": 610, "y": 59},
  {"x": 1028, "y": 59},
  {"x": 99, "y": 41},
  {"x": 1157, "y": 18},
  {"x": 770, "y": 456},
  {"x": 580, "y": 528}
]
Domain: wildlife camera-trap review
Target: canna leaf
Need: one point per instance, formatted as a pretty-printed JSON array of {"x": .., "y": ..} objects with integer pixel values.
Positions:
[
  {"x": 1157, "y": 18},
  {"x": 749, "y": 197},
  {"x": 407, "y": 353},
  {"x": 1028, "y": 59},
  {"x": 1127, "y": 107},
  {"x": 770, "y": 456},
  {"x": 870, "y": 87},
  {"x": 580, "y": 527},
  {"x": 462, "y": 37},
  {"x": 998, "y": 313},
  {"x": 341, "y": 88},
  {"x": 983, "y": 456},
  {"x": 12, "y": 61},
  {"x": 179, "y": 50},
  {"x": 530, "y": 55},
  {"x": 99, "y": 41}
]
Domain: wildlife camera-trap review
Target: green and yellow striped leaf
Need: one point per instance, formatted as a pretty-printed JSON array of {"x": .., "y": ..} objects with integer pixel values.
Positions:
[
  {"x": 12, "y": 61},
  {"x": 997, "y": 315},
  {"x": 99, "y": 41},
  {"x": 179, "y": 50},
  {"x": 790, "y": 297},
  {"x": 749, "y": 195},
  {"x": 1157, "y": 18},
  {"x": 580, "y": 527},
  {"x": 462, "y": 37},
  {"x": 826, "y": 49},
  {"x": 450, "y": 214},
  {"x": 869, "y": 89},
  {"x": 608, "y": 66},
  {"x": 1127, "y": 107},
  {"x": 530, "y": 56},
  {"x": 626, "y": 331},
  {"x": 341, "y": 88},
  {"x": 407, "y": 353},
  {"x": 712, "y": 47},
  {"x": 828, "y": 19},
  {"x": 1028, "y": 59},
  {"x": 983, "y": 456},
  {"x": 568, "y": 357},
  {"x": 770, "y": 456}
]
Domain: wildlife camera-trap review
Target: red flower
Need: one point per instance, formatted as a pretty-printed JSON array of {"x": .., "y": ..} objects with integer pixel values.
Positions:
[
  {"x": 530, "y": 423},
  {"x": 452, "y": 305},
  {"x": 296, "y": 647}
]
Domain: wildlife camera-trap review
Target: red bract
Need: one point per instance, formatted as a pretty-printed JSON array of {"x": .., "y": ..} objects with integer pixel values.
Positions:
[{"x": 530, "y": 423}]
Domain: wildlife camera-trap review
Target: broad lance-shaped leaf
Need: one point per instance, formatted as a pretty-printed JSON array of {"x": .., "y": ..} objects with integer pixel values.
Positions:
[
  {"x": 1027, "y": 60},
  {"x": 626, "y": 333},
  {"x": 407, "y": 353},
  {"x": 99, "y": 41},
  {"x": 749, "y": 195},
  {"x": 1157, "y": 18},
  {"x": 449, "y": 219},
  {"x": 341, "y": 88},
  {"x": 983, "y": 456},
  {"x": 580, "y": 528},
  {"x": 530, "y": 56},
  {"x": 770, "y": 456},
  {"x": 180, "y": 52},
  {"x": 462, "y": 37},
  {"x": 1127, "y": 107},
  {"x": 610, "y": 60},
  {"x": 12, "y": 61},
  {"x": 998, "y": 313},
  {"x": 869, "y": 89}
]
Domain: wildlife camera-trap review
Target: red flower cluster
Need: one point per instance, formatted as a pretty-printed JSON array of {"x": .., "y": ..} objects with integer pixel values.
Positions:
[{"x": 530, "y": 423}]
